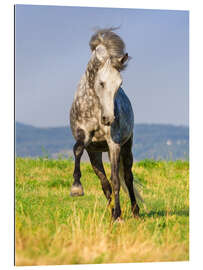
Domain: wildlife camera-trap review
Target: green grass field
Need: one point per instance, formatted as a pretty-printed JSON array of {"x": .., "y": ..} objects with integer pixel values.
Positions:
[{"x": 53, "y": 228}]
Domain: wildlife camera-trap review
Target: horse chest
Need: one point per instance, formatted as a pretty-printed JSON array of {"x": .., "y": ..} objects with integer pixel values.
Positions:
[{"x": 99, "y": 136}]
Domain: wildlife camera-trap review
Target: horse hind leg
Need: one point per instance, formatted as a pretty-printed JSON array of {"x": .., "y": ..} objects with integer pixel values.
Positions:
[
  {"x": 97, "y": 165},
  {"x": 126, "y": 171}
]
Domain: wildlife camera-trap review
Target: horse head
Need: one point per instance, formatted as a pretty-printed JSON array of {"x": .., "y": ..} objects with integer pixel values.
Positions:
[{"x": 107, "y": 81}]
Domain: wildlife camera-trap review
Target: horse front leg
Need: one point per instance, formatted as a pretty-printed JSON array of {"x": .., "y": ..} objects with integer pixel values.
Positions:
[
  {"x": 97, "y": 165},
  {"x": 114, "y": 151},
  {"x": 77, "y": 189}
]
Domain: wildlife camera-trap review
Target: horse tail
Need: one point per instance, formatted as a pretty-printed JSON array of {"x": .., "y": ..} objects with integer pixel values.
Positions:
[{"x": 136, "y": 183}]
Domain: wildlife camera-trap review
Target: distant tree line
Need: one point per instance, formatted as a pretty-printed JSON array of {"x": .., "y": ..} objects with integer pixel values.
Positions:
[{"x": 150, "y": 141}]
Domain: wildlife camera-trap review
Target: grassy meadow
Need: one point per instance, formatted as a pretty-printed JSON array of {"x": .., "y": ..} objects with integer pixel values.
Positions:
[{"x": 53, "y": 228}]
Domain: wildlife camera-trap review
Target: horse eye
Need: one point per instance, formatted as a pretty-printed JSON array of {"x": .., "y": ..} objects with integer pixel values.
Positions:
[{"x": 102, "y": 84}]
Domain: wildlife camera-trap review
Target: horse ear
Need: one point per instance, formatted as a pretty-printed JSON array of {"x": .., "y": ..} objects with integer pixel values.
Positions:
[
  {"x": 123, "y": 59},
  {"x": 101, "y": 53}
]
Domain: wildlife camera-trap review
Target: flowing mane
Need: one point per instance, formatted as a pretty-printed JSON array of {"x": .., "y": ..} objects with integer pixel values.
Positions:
[
  {"x": 91, "y": 71},
  {"x": 113, "y": 43}
]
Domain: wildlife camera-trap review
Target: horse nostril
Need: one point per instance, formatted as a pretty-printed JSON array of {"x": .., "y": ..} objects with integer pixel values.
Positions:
[{"x": 106, "y": 120}]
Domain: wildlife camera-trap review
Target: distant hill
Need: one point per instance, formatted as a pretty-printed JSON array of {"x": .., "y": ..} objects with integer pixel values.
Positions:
[{"x": 150, "y": 141}]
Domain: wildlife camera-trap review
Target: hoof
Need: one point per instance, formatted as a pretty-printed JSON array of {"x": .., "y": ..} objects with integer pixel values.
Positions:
[
  {"x": 136, "y": 216},
  {"x": 119, "y": 220},
  {"x": 136, "y": 211},
  {"x": 76, "y": 191}
]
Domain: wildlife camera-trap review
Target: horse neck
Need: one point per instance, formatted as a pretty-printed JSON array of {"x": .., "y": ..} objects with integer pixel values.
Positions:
[{"x": 86, "y": 85}]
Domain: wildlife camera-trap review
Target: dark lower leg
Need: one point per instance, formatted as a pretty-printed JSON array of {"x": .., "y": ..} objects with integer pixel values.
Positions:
[
  {"x": 127, "y": 159},
  {"x": 115, "y": 158},
  {"x": 129, "y": 183},
  {"x": 97, "y": 165},
  {"x": 116, "y": 211},
  {"x": 77, "y": 189}
]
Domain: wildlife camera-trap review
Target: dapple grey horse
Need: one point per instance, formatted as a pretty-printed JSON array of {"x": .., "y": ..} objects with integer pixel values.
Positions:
[{"x": 102, "y": 120}]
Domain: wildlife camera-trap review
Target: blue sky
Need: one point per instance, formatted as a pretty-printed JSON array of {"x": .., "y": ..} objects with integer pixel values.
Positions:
[{"x": 52, "y": 52}]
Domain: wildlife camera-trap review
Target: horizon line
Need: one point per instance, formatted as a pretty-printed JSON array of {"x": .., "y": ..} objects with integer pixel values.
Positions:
[{"x": 65, "y": 126}]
